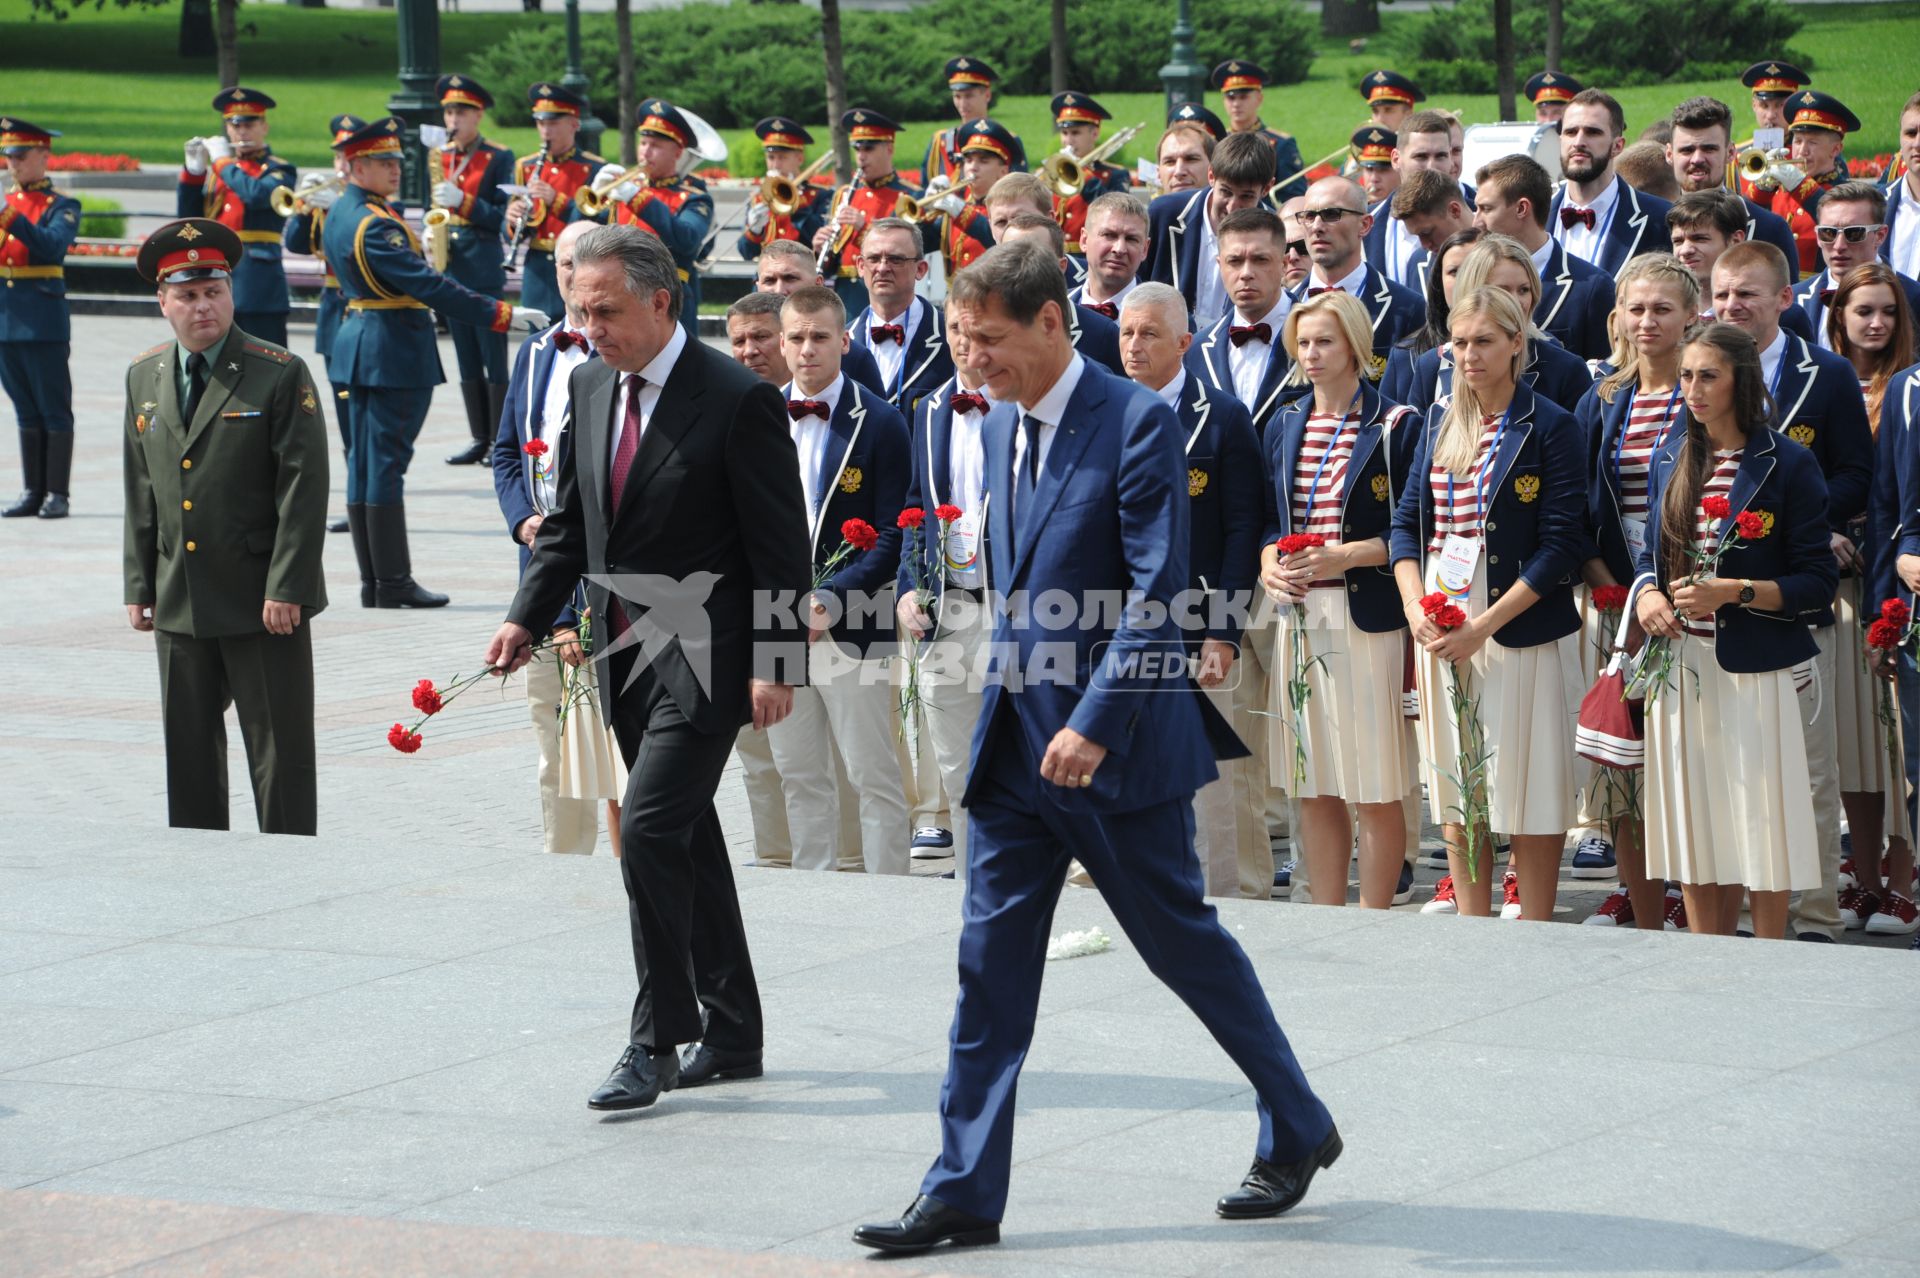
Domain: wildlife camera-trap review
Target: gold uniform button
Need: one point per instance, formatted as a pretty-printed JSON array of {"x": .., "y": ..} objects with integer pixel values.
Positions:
[
  {"x": 186, "y": 463},
  {"x": 186, "y": 505},
  {"x": 191, "y": 547}
]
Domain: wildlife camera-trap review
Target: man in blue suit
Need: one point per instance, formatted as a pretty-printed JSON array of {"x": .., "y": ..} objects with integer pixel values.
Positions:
[
  {"x": 1596, "y": 216},
  {"x": 1084, "y": 496},
  {"x": 905, "y": 334},
  {"x": 1337, "y": 223},
  {"x": 1699, "y": 153},
  {"x": 1181, "y": 248},
  {"x": 1511, "y": 198},
  {"x": 1849, "y": 230},
  {"x": 1093, "y": 334}
]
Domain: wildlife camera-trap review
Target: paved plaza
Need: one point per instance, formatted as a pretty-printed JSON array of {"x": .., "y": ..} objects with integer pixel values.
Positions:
[{"x": 369, "y": 1052}]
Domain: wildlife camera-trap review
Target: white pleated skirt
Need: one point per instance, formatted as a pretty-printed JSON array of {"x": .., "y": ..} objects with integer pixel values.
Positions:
[
  {"x": 1529, "y": 706},
  {"x": 591, "y": 765},
  {"x": 1349, "y": 738},
  {"x": 1726, "y": 794},
  {"x": 1866, "y": 715}
]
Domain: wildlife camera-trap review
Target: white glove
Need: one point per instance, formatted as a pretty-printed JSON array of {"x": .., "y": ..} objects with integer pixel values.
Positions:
[
  {"x": 936, "y": 186},
  {"x": 448, "y": 195},
  {"x": 322, "y": 197},
  {"x": 625, "y": 192},
  {"x": 218, "y": 149},
  {"x": 1790, "y": 175},
  {"x": 529, "y": 319},
  {"x": 757, "y": 218},
  {"x": 433, "y": 135},
  {"x": 951, "y": 205},
  {"x": 196, "y": 161}
]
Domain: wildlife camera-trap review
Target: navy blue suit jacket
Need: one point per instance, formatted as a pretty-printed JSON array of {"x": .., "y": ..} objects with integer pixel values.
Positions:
[
  {"x": 1209, "y": 360},
  {"x": 1638, "y": 225},
  {"x": 1601, "y": 424},
  {"x": 1383, "y": 449},
  {"x": 1174, "y": 230},
  {"x": 930, "y": 463},
  {"x": 1098, "y": 338},
  {"x": 1224, "y": 482},
  {"x": 863, "y": 476},
  {"x": 1393, "y": 310},
  {"x": 1895, "y": 511},
  {"x": 1551, "y": 370},
  {"x": 1818, "y": 405},
  {"x": 928, "y": 362},
  {"x": 1535, "y": 528},
  {"x": 513, "y": 470},
  {"x": 1779, "y": 478},
  {"x": 1765, "y": 225},
  {"x": 1576, "y": 304},
  {"x": 1109, "y": 514},
  {"x": 1808, "y": 301}
]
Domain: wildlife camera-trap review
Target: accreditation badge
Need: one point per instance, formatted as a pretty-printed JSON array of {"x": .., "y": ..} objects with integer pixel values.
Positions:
[{"x": 1458, "y": 557}]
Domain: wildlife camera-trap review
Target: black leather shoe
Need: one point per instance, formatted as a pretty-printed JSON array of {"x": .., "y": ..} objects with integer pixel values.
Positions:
[
  {"x": 26, "y": 507},
  {"x": 927, "y": 1224},
  {"x": 55, "y": 507},
  {"x": 405, "y": 592},
  {"x": 1271, "y": 1188},
  {"x": 637, "y": 1081},
  {"x": 474, "y": 454},
  {"x": 337, "y": 525},
  {"x": 702, "y": 1064}
]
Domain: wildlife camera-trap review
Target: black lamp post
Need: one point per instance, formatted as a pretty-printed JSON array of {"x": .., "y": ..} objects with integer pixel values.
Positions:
[
  {"x": 575, "y": 81},
  {"x": 1184, "y": 78},
  {"x": 415, "y": 103}
]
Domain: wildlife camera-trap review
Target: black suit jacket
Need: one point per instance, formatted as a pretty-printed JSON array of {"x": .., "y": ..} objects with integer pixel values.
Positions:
[{"x": 711, "y": 503}]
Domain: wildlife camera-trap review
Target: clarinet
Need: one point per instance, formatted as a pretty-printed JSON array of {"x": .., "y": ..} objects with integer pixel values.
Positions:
[{"x": 521, "y": 237}]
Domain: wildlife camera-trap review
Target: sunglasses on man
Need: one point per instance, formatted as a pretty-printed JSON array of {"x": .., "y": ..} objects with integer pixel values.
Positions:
[
  {"x": 1328, "y": 216},
  {"x": 1854, "y": 234}
]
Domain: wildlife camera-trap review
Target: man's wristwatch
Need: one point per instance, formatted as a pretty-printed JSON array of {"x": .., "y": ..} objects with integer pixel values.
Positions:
[{"x": 1746, "y": 591}]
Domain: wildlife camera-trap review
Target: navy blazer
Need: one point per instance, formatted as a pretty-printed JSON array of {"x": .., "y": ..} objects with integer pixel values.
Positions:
[
  {"x": 1109, "y": 516},
  {"x": 1383, "y": 452},
  {"x": 1224, "y": 483},
  {"x": 1894, "y": 514},
  {"x": 1096, "y": 337},
  {"x": 1174, "y": 230},
  {"x": 859, "y": 364},
  {"x": 513, "y": 477},
  {"x": 1899, "y": 204},
  {"x": 1818, "y": 405},
  {"x": 929, "y": 466},
  {"x": 863, "y": 475},
  {"x": 1374, "y": 248},
  {"x": 1809, "y": 300},
  {"x": 1769, "y": 227},
  {"x": 1638, "y": 225},
  {"x": 1551, "y": 370},
  {"x": 1780, "y": 480},
  {"x": 1393, "y": 310},
  {"x": 1601, "y": 424},
  {"x": 1576, "y": 304},
  {"x": 927, "y": 364},
  {"x": 1535, "y": 522},
  {"x": 1208, "y": 360}
]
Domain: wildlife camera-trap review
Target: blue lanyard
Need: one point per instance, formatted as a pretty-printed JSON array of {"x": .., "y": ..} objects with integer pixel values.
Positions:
[
  {"x": 1620, "y": 441},
  {"x": 1486, "y": 470},
  {"x": 1773, "y": 387},
  {"x": 1313, "y": 486}
]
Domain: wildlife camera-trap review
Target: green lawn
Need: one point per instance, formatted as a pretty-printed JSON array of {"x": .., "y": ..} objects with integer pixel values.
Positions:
[{"x": 97, "y": 77}]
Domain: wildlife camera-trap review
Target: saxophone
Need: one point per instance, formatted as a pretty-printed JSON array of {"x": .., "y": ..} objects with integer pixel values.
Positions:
[{"x": 437, "y": 236}]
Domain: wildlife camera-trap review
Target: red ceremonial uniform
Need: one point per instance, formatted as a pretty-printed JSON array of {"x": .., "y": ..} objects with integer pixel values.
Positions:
[
  {"x": 566, "y": 174},
  {"x": 1797, "y": 208},
  {"x": 966, "y": 237},
  {"x": 874, "y": 202}
]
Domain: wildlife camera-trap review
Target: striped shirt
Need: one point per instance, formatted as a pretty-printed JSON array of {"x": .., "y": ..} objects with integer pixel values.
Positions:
[
  {"x": 1706, "y": 532},
  {"x": 1320, "y": 476},
  {"x": 1648, "y": 419},
  {"x": 1456, "y": 504}
]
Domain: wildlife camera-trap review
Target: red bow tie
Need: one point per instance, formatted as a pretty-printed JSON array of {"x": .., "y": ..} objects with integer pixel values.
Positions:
[
  {"x": 1107, "y": 309},
  {"x": 799, "y": 408},
  {"x": 1241, "y": 334},
  {"x": 1826, "y": 296},
  {"x": 1323, "y": 288},
  {"x": 566, "y": 339},
  {"x": 895, "y": 333},
  {"x": 1570, "y": 216},
  {"x": 968, "y": 402}
]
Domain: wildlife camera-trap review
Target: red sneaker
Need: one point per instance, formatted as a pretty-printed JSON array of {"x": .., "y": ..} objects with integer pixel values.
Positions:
[
  {"x": 1849, "y": 878},
  {"x": 1676, "y": 920},
  {"x": 1511, "y": 886},
  {"x": 1615, "y": 911},
  {"x": 1896, "y": 916},
  {"x": 1857, "y": 905},
  {"x": 1442, "y": 902}
]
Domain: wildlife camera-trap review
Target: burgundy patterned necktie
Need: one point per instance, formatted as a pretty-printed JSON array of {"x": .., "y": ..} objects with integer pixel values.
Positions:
[
  {"x": 1241, "y": 334},
  {"x": 623, "y": 452},
  {"x": 1107, "y": 309},
  {"x": 895, "y": 333},
  {"x": 967, "y": 401},
  {"x": 1318, "y": 289}
]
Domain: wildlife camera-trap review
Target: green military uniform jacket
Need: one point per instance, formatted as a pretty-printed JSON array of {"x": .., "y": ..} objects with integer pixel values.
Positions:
[{"x": 228, "y": 510}]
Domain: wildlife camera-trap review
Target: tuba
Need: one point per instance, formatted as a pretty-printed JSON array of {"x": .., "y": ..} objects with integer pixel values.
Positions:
[
  {"x": 593, "y": 199},
  {"x": 436, "y": 237}
]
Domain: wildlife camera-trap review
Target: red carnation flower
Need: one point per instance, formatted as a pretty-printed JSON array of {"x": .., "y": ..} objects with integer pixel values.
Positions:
[
  {"x": 946, "y": 513},
  {"x": 1448, "y": 617},
  {"x": 425, "y": 698},
  {"x": 534, "y": 448},
  {"x": 859, "y": 534},
  {"x": 1896, "y": 612},
  {"x": 912, "y": 517},
  {"x": 1749, "y": 525},
  {"x": 1716, "y": 507},
  {"x": 402, "y": 740},
  {"x": 1432, "y": 603},
  {"x": 1609, "y": 598},
  {"x": 1883, "y": 634},
  {"x": 1294, "y": 543}
]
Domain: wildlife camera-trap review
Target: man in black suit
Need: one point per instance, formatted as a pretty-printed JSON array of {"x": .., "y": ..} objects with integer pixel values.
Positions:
[{"x": 677, "y": 503}]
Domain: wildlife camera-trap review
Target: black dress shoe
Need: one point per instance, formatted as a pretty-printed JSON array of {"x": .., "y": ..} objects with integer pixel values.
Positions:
[
  {"x": 702, "y": 1064},
  {"x": 56, "y": 507},
  {"x": 1271, "y": 1188},
  {"x": 26, "y": 507},
  {"x": 637, "y": 1081},
  {"x": 474, "y": 454},
  {"x": 926, "y": 1224},
  {"x": 337, "y": 525}
]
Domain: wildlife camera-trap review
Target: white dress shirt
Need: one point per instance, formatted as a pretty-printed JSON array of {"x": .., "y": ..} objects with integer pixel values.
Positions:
[
  {"x": 1903, "y": 247},
  {"x": 1209, "y": 290},
  {"x": 892, "y": 356},
  {"x": 655, "y": 373},
  {"x": 1351, "y": 283},
  {"x": 1249, "y": 361},
  {"x": 555, "y": 413},
  {"x": 810, "y": 440},
  {"x": 1541, "y": 257},
  {"x": 1084, "y": 296},
  {"x": 1051, "y": 408},
  {"x": 1170, "y": 393},
  {"x": 1583, "y": 243},
  {"x": 1770, "y": 358},
  {"x": 966, "y": 488},
  {"x": 1401, "y": 246}
]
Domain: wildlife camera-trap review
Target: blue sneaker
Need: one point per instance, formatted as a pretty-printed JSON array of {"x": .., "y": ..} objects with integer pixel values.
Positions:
[
  {"x": 930, "y": 842},
  {"x": 1404, "y": 891},
  {"x": 1593, "y": 859},
  {"x": 1283, "y": 879}
]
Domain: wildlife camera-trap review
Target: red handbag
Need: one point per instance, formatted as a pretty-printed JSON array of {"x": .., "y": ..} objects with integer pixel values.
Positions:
[{"x": 1612, "y": 729}]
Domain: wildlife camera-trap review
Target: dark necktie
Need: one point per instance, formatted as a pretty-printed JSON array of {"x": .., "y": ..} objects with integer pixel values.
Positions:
[
  {"x": 623, "y": 455},
  {"x": 566, "y": 339},
  {"x": 799, "y": 409},
  {"x": 1570, "y": 216},
  {"x": 894, "y": 333},
  {"x": 1107, "y": 309},
  {"x": 1318, "y": 289},
  {"x": 1027, "y": 470},
  {"x": 968, "y": 402},
  {"x": 1241, "y": 334},
  {"x": 196, "y": 384}
]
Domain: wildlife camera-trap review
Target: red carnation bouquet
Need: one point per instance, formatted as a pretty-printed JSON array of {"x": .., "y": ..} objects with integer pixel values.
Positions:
[
  {"x": 430, "y": 698},
  {"x": 1657, "y": 660},
  {"x": 913, "y": 527},
  {"x": 1472, "y": 754},
  {"x": 856, "y": 535},
  {"x": 1891, "y": 633},
  {"x": 1300, "y": 670}
]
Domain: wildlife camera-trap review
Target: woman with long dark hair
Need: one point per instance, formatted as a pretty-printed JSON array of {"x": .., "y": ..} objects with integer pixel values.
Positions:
[
  {"x": 1397, "y": 382},
  {"x": 1728, "y": 807}
]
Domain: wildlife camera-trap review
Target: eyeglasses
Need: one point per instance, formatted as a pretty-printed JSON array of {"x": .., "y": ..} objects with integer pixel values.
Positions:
[
  {"x": 1328, "y": 216},
  {"x": 1298, "y": 248},
  {"x": 888, "y": 259},
  {"x": 1854, "y": 234}
]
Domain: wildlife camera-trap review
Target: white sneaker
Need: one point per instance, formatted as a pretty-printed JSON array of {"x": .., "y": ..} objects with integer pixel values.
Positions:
[{"x": 1442, "y": 902}]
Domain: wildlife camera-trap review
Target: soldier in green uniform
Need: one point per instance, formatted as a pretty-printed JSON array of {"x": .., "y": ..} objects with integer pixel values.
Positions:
[{"x": 226, "y": 488}]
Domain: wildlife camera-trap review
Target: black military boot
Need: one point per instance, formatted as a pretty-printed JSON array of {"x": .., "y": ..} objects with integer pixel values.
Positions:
[
  {"x": 480, "y": 451},
  {"x": 496, "y": 404},
  {"x": 393, "y": 585},
  {"x": 59, "y": 474},
  {"x": 33, "y": 474},
  {"x": 362, "y": 550}
]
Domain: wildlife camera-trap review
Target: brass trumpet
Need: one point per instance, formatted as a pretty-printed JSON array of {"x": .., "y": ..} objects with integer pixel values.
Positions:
[
  {"x": 922, "y": 210},
  {"x": 1763, "y": 167},
  {"x": 288, "y": 201},
  {"x": 594, "y": 198},
  {"x": 1066, "y": 173},
  {"x": 783, "y": 195}
]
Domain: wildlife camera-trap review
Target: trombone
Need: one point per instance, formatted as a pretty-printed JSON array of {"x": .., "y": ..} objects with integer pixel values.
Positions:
[
  {"x": 288, "y": 201},
  {"x": 1273, "y": 192},
  {"x": 782, "y": 195},
  {"x": 1066, "y": 173},
  {"x": 593, "y": 198}
]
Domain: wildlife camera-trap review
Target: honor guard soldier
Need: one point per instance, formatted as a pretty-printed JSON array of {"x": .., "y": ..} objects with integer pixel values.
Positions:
[
  {"x": 305, "y": 234},
  {"x": 1550, "y": 91},
  {"x": 1242, "y": 88},
  {"x": 874, "y": 193},
  {"x": 1196, "y": 113},
  {"x": 966, "y": 231},
  {"x": 785, "y": 144},
  {"x": 1390, "y": 97},
  {"x": 1078, "y": 117},
  {"x": 387, "y": 355},
  {"x": 553, "y": 176},
  {"x": 1371, "y": 150},
  {"x": 232, "y": 179},
  {"x": 225, "y": 449},
  {"x": 37, "y": 224},
  {"x": 468, "y": 172},
  {"x": 1773, "y": 82},
  {"x": 1817, "y": 127},
  {"x": 971, "y": 82},
  {"x": 661, "y": 200}
]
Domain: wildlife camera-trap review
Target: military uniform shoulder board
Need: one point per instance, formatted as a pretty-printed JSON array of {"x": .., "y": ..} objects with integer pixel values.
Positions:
[
  {"x": 144, "y": 356},
  {"x": 274, "y": 353},
  {"x": 588, "y": 157}
]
